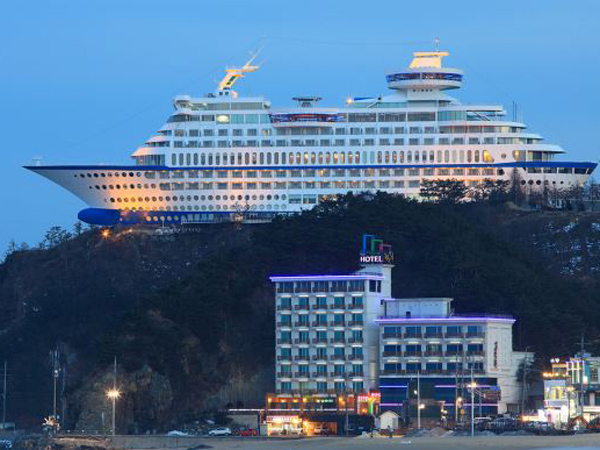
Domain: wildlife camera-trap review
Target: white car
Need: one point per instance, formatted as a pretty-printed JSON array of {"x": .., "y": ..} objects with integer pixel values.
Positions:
[
  {"x": 177, "y": 433},
  {"x": 222, "y": 431}
]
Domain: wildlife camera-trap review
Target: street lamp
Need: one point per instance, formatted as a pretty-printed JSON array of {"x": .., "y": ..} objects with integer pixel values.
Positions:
[
  {"x": 113, "y": 394},
  {"x": 472, "y": 385}
]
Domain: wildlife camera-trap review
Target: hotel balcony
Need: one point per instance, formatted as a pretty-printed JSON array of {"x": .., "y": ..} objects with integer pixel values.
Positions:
[
  {"x": 301, "y": 375},
  {"x": 301, "y": 358},
  {"x": 337, "y": 340},
  {"x": 412, "y": 353},
  {"x": 355, "y": 357},
  {"x": 301, "y": 307},
  {"x": 434, "y": 353},
  {"x": 301, "y": 324},
  {"x": 319, "y": 357},
  {"x": 319, "y": 340},
  {"x": 412, "y": 335},
  {"x": 337, "y": 324},
  {"x": 393, "y": 372},
  {"x": 284, "y": 307},
  {"x": 319, "y": 374},
  {"x": 476, "y": 335},
  {"x": 355, "y": 340},
  {"x": 356, "y": 374},
  {"x": 475, "y": 353},
  {"x": 356, "y": 306},
  {"x": 284, "y": 375},
  {"x": 284, "y": 341},
  {"x": 356, "y": 323},
  {"x": 392, "y": 354},
  {"x": 320, "y": 291},
  {"x": 337, "y": 358},
  {"x": 392, "y": 336},
  {"x": 284, "y": 324},
  {"x": 434, "y": 335},
  {"x": 337, "y": 306},
  {"x": 454, "y": 335},
  {"x": 435, "y": 372},
  {"x": 319, "y": 307},
  {"x": 337, "y": 374},
  {"x": 301, "y": 341},
  {"x": 284, "y": 358},
  {"x": 319, "y": 324}
]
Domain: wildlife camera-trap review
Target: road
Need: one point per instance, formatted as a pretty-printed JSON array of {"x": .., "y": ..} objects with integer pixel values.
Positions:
[{"x": 589, "y": 441}]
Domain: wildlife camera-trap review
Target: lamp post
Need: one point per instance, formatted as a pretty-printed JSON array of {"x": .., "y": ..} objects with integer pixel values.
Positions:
[
  {"x": 472, "y": 386},
  {"x": 113, "y": 394},
  {"x": 419, "y": 400}
]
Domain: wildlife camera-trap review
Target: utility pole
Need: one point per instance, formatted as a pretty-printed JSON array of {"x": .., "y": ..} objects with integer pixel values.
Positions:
[
  {"x": 114, "y": 400},
  {"x": 419, "y": 399},
  {"x": 524, "y": 380},
  {"x": 456, "y": 392},
  {"x": 4, "y": 396},
  {"x": 55, "y": 374},
  {"x": 472, "y": 403},
  {"x": 346, "y": 406}
]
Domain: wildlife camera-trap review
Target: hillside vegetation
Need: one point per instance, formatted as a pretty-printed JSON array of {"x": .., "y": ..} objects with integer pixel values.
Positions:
[{"x": 191, "y": 317}]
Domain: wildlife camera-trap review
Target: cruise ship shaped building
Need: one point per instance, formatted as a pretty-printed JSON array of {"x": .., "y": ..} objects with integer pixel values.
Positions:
[{"x": 226, "y": 157}]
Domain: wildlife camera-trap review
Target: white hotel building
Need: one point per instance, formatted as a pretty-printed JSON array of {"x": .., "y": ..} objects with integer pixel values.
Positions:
[
  {"x": 341, "y": 334},
  {"x": 327, "y": 337},
  {"x": 422, "y": 337}
]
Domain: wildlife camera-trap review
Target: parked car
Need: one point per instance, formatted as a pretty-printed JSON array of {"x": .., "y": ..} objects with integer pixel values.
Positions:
[
  {"x": 177, "y": 433},
  {"x": 322, "y": 430},
  {"x": 247, "y": 432},
  {"x": 221, "y": 431},
  {"x": 503, "y": 423}
]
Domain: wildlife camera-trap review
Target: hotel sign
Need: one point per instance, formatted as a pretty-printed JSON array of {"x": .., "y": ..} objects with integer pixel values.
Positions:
[{"x": 374, "y": 251}]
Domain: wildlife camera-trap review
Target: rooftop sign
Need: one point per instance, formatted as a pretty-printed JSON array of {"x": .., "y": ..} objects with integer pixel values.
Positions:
[{"x": 374, "y": 251}]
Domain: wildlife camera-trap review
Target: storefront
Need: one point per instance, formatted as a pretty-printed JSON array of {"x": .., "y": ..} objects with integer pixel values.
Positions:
[{"x": 291, "y": 425}]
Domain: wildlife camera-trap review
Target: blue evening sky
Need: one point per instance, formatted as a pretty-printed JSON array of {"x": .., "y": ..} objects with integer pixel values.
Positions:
[{"x": 87, "y": 81}]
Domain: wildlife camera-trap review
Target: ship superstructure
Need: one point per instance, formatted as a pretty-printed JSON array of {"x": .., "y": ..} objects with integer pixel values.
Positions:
[{"x": 226, "y": 157}]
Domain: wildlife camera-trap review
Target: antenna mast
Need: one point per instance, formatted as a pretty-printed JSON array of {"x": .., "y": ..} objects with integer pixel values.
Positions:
[{"x": 234, "y": 73}]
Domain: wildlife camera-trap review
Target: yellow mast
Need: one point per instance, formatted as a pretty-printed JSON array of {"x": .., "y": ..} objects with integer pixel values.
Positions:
[{"x": 234, "y": 73}]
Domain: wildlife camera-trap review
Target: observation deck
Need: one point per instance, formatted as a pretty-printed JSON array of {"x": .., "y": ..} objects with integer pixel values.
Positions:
[{"x": 425, "y": 72}]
